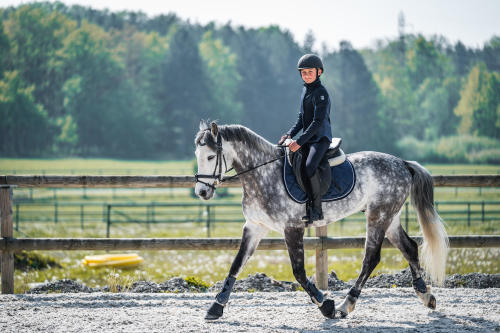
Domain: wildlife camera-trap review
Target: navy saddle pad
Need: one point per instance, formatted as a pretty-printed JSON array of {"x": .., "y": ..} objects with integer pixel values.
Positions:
[{"x": 343, "y": 175}]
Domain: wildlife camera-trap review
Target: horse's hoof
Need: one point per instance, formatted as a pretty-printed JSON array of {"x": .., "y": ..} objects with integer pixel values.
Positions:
[
  {"x": 215, "y": 312},
  {"x": 432, "y": 302},
  {"x": 342, "y": 314},
  {"x": 328, "y": 308}
]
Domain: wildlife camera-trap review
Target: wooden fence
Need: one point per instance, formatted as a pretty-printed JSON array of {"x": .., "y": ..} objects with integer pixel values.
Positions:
[
  {"x": 210, "y": 213},
  {"x": 321, "y": 243}
]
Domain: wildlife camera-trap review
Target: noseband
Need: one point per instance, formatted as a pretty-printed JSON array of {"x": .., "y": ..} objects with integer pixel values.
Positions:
[{"x": 218, "y": 165}]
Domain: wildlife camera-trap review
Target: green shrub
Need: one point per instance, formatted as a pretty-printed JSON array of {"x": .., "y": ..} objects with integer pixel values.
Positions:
[
  {"x": 25, "y": 261},
  {"x": 451, "y": 149},
  {"x": 491, "y": 156},
  {"x": 193, "y": 281},
  {"x": 459, "y": 149},
  {"x": 414, "y": 149}
]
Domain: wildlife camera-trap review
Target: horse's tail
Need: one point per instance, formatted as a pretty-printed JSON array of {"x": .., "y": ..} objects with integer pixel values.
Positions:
[{"x": 434, "y": 250}]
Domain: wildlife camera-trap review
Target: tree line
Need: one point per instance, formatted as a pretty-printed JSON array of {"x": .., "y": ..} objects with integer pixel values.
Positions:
[{"x": 75, "y": 81}]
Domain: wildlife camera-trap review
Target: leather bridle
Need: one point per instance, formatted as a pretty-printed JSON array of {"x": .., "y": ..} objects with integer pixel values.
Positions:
[{"x": 218, "y": 165}]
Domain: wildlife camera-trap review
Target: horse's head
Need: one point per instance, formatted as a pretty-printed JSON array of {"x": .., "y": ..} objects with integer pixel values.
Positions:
[{"x": 214, "y": 158}]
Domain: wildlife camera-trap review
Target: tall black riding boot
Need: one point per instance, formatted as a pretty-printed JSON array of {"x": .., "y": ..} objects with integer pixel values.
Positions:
[
  {"x": 314, "y": 211},
  {"x": 317, "y": 211},
  {"x": 307, "y": 218}
]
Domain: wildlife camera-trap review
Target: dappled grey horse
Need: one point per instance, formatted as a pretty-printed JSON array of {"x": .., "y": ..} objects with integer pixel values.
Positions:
[{"x": 383, "y": 183}]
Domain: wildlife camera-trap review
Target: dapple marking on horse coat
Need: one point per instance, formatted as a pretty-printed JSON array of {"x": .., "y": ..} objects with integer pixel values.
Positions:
[{"x": 383, "y": 184}]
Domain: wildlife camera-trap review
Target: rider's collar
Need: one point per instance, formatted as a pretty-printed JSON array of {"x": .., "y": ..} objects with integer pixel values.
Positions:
[{"x": 314, "y": 84}]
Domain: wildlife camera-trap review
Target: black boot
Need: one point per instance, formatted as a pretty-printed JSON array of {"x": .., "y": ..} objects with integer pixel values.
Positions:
[
  {"x": 307, "y": 218},
  {"x": 314, "y": 211}
]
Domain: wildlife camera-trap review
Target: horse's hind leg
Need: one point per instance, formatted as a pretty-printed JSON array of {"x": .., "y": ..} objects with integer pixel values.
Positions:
[
  {"x": 374, "y": 238},
  {"x": 294, "y": 238},
  {"x": 252, "y": 234},
  {"x": 409, "y": 248}
]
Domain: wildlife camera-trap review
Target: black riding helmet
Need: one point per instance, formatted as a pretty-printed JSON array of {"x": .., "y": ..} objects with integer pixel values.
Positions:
[{"x": 310, "y": 61}]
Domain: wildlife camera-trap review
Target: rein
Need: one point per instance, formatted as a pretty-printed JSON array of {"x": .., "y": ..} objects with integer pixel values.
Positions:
[{"x": 218, "y": 164}]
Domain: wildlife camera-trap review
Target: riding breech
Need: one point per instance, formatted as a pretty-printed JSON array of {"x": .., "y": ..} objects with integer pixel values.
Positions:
[{"x": 314, "y": 152}]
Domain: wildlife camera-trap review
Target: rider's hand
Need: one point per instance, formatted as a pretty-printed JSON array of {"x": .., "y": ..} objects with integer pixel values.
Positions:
[
  {"x": 294, "y": 146},
  {"x": 283, "y": 138}
]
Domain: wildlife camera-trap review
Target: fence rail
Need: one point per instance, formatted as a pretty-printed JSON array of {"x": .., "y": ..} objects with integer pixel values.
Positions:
[
  {"x": 188, "y": 181},
  {"x": 310, "y": 243},
  {"x": 210, "y": 213},
  {"x": 7, "y": 183}
]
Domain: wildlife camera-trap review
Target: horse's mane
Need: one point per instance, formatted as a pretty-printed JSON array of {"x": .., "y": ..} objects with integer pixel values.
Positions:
[{"x": 233, "y": 133}]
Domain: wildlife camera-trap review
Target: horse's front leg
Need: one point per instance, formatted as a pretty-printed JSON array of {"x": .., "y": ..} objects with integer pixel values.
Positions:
[
  {"x": 294, "y": 238},
  {"x": 252, "y": 234}
]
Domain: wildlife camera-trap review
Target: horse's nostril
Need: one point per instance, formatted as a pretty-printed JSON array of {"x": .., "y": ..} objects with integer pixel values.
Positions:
[{"x": 203, "y": 193}]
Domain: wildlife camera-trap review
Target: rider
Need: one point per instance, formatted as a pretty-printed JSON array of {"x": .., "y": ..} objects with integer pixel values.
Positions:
[{"x": 314, "y": 120}]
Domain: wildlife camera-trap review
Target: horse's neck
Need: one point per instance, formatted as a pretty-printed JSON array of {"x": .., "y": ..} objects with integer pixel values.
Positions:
[{"x": 247, "y": 159}]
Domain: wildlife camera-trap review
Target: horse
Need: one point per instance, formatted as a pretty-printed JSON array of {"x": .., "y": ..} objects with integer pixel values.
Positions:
[{"x": 383, "y": 183}]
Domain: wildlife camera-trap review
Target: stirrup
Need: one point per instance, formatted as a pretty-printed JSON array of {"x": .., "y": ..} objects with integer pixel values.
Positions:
[
  {"x": 311, "y": 216},
  {"x": 307, "y": 220}
]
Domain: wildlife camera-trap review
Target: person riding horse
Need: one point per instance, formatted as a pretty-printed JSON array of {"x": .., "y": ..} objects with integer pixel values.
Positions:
[{"x": 314, "y": 120}]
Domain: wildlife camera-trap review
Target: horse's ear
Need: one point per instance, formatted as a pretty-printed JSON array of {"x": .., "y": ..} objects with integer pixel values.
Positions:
[
  {"x": 203, "y": 125},
  {"x": 215, "y": 130}
]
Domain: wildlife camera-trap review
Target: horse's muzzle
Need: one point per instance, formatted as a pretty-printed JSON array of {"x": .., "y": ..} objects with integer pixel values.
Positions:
[{"x": 203, "y": 191}]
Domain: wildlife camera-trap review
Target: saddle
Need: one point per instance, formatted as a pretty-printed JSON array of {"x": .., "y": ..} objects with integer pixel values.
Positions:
[{"x": 334, "y": 156}]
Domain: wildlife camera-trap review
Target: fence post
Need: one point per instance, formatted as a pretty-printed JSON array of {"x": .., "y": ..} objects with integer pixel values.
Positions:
[
  {"x": 55, "y": 212},
  {"x": 108, "y": 224},
  {"x": 7, "y": 232},
  {"x": 213, "y": 217},
  {"x": 482, "y": 211},
  {"x": 208, "y": 220},
  {"x": 468, "y": 214},
  {"x": 153, "y": 212},
  {"x": 81, "y": 217},
  {"x": 322, "y": 260},
  {"x": 152, "y": 215}
]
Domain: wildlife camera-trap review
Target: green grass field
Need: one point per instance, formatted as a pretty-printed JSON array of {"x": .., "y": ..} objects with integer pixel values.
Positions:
[
  {"x": 94, "y": 166},
  {"x": 210, "y": 266}
]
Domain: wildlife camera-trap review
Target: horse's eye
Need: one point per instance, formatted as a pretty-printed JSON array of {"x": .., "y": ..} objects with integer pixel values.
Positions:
[{"x": 211, "y": 157}]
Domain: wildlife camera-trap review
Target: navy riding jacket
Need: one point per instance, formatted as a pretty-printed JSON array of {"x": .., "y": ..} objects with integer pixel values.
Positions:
[{"x": 314, "y": 115}]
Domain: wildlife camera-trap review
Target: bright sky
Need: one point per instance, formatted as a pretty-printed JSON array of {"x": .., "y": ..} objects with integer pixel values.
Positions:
[{"x": 359, "y": 21}]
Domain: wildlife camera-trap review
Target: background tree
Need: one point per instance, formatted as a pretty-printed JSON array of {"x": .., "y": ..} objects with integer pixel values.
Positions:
[
  {"x": 35, "y": 36},
  {"x": 122, "y": 84},
  {"x": 25, "y": 127},
  {"x": 479, "y": 103},
  {"x": 220, "y": 66},
  {"x": 99, "y": 96},
  {"x": 184, "y": 92},
  {"x": 356, "y": 100}
]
